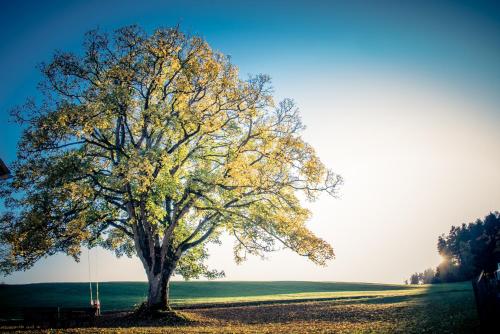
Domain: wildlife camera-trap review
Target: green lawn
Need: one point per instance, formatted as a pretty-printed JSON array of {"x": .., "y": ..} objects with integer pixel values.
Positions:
[
  {"x": 276, "y": 307},
  {"x": 125, "y": 295}
]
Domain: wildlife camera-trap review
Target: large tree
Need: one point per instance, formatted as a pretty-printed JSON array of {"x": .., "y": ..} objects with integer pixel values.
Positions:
[{"x": 152, "y": 145}]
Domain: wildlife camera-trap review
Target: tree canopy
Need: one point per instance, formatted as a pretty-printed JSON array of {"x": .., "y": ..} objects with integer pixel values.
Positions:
[
  {"x": 466, "y": 251},
  {"x": 152, "y": 145},
  {"x": 469, "y": 249}
]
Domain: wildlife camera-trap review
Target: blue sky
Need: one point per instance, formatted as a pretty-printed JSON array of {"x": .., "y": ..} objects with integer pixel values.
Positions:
[
  {"x": 401, "y": 99},
  {"x": 454, "y": 41}
]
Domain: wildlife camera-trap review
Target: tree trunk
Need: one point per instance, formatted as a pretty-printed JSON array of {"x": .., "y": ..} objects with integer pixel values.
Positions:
[
  {"x": 159, "y": 263},
  {"x": 158, "y": 295},
  {"x": 159, "y": 281}
]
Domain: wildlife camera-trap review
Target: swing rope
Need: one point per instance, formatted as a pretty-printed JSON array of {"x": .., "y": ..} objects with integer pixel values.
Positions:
[
  {"x": 90, "y": 277},
  {"x": 95, "y": 303},
  {"x": 96, "y": 279}
]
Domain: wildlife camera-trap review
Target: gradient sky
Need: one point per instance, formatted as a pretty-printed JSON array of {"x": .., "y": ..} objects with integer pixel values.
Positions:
[{"x": 402, "y": 100}]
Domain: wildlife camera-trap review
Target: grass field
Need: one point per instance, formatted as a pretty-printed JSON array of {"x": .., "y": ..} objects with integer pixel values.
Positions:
[
  {"x": 272, "y": 307},
  {"x": 125, "y": 295}
]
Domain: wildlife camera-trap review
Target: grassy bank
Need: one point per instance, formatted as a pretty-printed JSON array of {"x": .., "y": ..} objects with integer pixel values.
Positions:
[
  {"x": 287, "y": 307},
  {"x": 125, "y": 295}
]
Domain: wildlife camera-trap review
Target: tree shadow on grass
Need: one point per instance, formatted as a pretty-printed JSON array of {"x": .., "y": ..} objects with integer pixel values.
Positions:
[
  {"x": 390, "y": 299},
  {"x": 324, "y": 311},
  {"x": 441, "y": 308},
  {"x": 433, "y": 309}
]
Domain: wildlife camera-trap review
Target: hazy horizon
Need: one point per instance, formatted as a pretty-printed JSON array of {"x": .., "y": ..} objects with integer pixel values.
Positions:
[{"x": 401, "y": 100}]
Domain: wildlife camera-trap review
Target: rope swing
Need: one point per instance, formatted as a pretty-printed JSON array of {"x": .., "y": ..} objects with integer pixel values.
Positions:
[{"x": 94, "y": 303}]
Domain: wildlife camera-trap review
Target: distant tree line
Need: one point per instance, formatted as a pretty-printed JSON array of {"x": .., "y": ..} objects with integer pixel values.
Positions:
[
  {"x": 426, "y": 277},
  {"x": 467, "y": 250}
]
